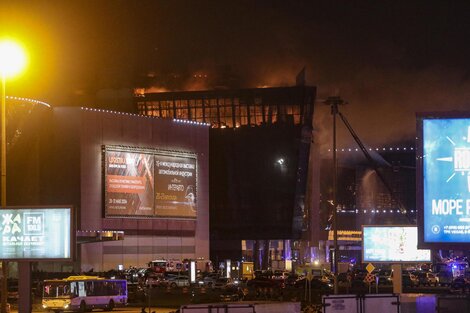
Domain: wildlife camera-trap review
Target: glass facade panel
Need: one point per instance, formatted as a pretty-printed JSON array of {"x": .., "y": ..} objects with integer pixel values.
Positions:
[
  {"x": 274, "y": 113},
  {"x": 259, "y": 114},
  {"x": 228, "y": 119},
  {"x": 213, "y": 115},
  {"x": 222, "y": 108},
  {"x": 243, "y": 115},
  {"x": 198, "y": 114}
]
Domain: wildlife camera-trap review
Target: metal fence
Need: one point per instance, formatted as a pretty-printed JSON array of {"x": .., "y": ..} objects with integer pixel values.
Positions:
[{"x": 383, "y": 303}]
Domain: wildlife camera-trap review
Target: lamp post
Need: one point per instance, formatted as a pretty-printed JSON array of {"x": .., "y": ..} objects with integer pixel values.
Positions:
[
  {"x": 12, "y": 61},
  {"x": 334, "y": 102}
]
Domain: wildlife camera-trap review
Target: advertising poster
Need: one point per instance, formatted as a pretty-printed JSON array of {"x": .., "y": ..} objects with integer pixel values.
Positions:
[
  {"x": 175, "y": 186},
  {"x": 36, "y": 233},
  {"x": 129, "y": 183},
  {"x": 446, "y": 180},
  {"x": 393, "y": 244}
]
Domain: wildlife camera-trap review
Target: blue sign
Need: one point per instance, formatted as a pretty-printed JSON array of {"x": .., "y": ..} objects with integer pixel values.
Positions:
[{"x": 446, "y": 180}]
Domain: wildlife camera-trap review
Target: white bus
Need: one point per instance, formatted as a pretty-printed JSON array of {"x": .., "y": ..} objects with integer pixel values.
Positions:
[{"x": 84, "y": 293}]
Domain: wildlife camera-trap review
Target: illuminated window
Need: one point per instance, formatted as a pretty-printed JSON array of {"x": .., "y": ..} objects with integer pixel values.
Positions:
[
  {"x": 182, "y": 113},
  {"x": 198, "y": 114},
  {"x": 274, "y": 116},
  {"x": 296, "y": 113},
  {"x": 213, "y": 114},
  {"x": 192, "y": 107},
  {"x": 243, "y": 115},
  {"x": 228, "y": 116}
]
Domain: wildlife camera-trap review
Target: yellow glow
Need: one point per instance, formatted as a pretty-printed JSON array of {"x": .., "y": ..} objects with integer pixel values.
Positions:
[{"x": 12, "y": 58}]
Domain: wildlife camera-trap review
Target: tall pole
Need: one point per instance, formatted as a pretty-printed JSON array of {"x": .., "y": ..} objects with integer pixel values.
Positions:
[
  {"x": 12, "y": 59},
  {"x": 333, "y": 102},
  {"x": 334, "y": 111},
  {"x": 3, "y": 182},
  {"x": 4, "y": 145}
]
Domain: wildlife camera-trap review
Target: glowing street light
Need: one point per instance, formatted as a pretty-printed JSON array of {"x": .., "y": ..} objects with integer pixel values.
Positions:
[
  {"x": 12, "y": 61},
  {"x": 12, "y": 58}
]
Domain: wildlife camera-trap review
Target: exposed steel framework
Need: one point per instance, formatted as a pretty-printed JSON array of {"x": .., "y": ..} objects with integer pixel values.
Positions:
[{"x": 233, "y": 108}]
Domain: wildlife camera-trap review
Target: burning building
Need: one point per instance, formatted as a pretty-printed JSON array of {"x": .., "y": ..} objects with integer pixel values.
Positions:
[{"x": 261, "y": 171}]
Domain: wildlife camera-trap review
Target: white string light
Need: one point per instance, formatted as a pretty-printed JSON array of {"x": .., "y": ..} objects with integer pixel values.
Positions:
[
  {"x": 375, "y": 211},
  {"x": 29, "y": 100},
  {"x": 145, "y": 116},
  {"x": 376, "y": 149}
]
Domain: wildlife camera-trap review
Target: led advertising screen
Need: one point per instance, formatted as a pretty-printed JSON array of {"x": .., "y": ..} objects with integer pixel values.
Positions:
[
  {"x": 392, "y": 244},
  {"x": 129, "y": 183},
  {"x": 175, "y": 186},
  {"x": 445, "y": 181},
  {"x": 36, "y": 233},
  {"x": 149, "y": 183}
]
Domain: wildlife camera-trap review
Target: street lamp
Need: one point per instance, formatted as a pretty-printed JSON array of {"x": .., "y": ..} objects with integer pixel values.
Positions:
[
  {"x": 334, "y": 102},
  {"x": 12, "y": 61}
]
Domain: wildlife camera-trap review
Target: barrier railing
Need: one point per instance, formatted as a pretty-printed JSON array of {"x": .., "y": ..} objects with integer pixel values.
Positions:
[{"x": 383, "y": 303}]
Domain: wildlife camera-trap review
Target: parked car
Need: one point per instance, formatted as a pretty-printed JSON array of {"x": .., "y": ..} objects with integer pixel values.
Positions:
[
  {"x": 262, "y": 282},
  {"x": 359, "y": 275},
  {"x": 230, "y": 297},
  {"x": 344, "y": 279},
  {"x": 460, "y": 283},
  {"x": 145, "y": 272},
  {"x": 263, "y": 273},
  {"x": 179, "y": 281},
  {"x": 384, "y": 277},
  {"x": 422, "y": 278},
  {"x": 315, "y": 284},
  {"x": 433, "y": 279},
  {"x": 222, "y": 283},
  {"x": 323, "y": 278},
  {"x": 155, "y": 281},
  {"x": 280, "y": 275},
  {"x": 208, "y": 280},
  {"x": 291, "y": 279},
  {"x": 408, "y": 280},
  {"x": 445, "y": 278}
]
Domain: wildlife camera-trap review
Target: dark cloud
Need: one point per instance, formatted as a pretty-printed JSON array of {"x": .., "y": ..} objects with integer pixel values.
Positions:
[{"x": 388, "y": 59}]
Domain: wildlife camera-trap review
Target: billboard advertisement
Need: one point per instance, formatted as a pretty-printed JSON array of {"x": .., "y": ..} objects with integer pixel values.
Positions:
[
  {"x": 129, "y": 183},
  {"x": 392, "y": 244},
  {"x": 175, "y": 186},
  {"x": 149, "y": 183},
  {"x": 42, "y": 233},
  {"x": 444, "y": 181}
]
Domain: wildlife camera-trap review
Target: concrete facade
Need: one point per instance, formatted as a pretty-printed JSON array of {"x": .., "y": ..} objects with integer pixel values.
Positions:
[{"x": 63, "y": 154}]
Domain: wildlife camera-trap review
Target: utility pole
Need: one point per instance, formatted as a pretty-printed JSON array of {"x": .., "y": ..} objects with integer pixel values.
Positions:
[{"x": 334, "y": 102}]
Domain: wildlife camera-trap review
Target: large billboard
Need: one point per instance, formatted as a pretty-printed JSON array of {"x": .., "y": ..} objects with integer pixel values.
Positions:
[
  {"x": 175, "y": 186},
  {"x": 149, "y": 183},
  {"x": 443, "y": 194},
  {"x": 392, "y": 244},
  {"x": 37, "y": 233},
  {"x": 129, "y": 183}
]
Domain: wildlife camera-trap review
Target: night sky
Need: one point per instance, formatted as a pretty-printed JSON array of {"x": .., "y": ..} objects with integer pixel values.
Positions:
[{"x": 388, "y": 59}]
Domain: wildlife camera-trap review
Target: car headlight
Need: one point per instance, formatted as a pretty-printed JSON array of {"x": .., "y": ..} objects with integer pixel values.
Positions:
[
  {"x": 44, "y": 306},
  {"x": 66, "y": 305}
]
